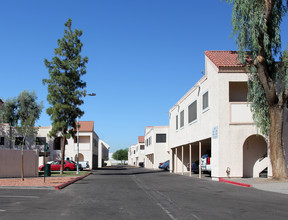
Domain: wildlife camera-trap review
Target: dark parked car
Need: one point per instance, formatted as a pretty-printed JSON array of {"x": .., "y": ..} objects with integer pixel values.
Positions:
[
  {"x": 194, "y": 167},
  {"x": 164, "y": 165},
  {"x": 141, "y": 164}
]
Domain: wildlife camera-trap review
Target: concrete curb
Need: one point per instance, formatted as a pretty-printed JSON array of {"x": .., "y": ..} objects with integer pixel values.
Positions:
[
  {"x": 233, "y": 182},
  {"x": 63, "y": 185}
]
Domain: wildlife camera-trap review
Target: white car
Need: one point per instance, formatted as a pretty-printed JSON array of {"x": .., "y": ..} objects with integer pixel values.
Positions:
[
  {"x": 85, "y": 164},
  {"x": 206, "y": 163}
]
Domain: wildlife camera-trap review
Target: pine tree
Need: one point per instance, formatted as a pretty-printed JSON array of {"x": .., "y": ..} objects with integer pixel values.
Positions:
[
  {"x": 256, "y": 25},
  {"x": 65, "y": 86}
]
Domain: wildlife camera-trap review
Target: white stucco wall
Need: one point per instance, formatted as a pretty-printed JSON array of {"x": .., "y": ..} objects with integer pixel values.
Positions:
[
  {"x": 103, "y": 152},
  {"x": 228, "y": 139},
  {"x": 158, "y": 150}
]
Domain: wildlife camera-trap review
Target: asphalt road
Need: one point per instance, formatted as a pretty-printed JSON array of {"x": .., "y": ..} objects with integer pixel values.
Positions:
[{"x": 138, "y": 193}]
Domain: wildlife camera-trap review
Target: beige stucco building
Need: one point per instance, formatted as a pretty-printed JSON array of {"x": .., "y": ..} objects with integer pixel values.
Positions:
[
  {"x": 214, "y": 117},
  {"x": 103, "y": 153},
  {"x": 132, "y": 155},
  {"x": 88, "y": 144},
  {"x": 136, "y": 153},
  {"x": 156, "y": 146}
]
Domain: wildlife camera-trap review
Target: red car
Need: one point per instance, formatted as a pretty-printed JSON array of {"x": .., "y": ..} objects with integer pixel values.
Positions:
[{"x": 56, "y": 165}]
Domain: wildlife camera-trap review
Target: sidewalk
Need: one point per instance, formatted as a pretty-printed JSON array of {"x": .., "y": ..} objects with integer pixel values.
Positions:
[{"x": 266, "y": 184}]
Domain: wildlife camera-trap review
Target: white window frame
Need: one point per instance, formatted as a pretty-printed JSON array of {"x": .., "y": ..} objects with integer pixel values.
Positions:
[
  {"x": 207, "y": 108},
  {"x": 183, "y": 119},
  {"x": 195, "y": 120}
]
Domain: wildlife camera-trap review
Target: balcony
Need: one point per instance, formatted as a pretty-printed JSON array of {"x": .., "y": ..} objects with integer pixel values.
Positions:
[
  {"x": 240, "y": 113},
  {"x": 82, "y": 146}
]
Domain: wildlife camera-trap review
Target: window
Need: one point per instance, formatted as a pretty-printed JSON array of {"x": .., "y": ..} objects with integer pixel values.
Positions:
[
  {"x": 238, "y": 91},
  {"x": 1, "y": 140},
  {"x": 160, "y": 138},
  {"x": 40, "y": 140},
  {"x": 19, "y": 141},
  {"x": 142, "y": 147},
  {"x": 147, "y": 144},
  {"x": 176, "y": 122},
  {"x": 57, "y": 144},
  {"x": 205, "y": 101},
  {"x": 150, "y": 140},
  {"x": 134, "y": 151},
  {"x": 192, "y": 112},
  {"x": 182, "y": 119}
]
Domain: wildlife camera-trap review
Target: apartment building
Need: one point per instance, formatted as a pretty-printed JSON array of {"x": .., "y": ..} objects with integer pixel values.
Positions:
[
  {"x": 88, "y": 143},
  {"x": 214, "y": 118},
  {"x": 103, "y": 153},
  {"x": 1, "y": 103},
  {"x": 156, "y": 146},
  {"x": 132, "y": 155}
]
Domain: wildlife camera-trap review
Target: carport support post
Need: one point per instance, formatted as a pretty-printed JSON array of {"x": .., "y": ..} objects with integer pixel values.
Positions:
[
  {"x": 173, "y": 159},
  {"x": 176, "y": 161},
  {"x": 182, "y": 151},
  {"x": 200, "y": 170},
  {"x": 190, "y": 160}
]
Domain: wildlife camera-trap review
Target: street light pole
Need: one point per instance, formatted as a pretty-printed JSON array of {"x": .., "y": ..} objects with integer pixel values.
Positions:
[{"x": 77, "y": 171}]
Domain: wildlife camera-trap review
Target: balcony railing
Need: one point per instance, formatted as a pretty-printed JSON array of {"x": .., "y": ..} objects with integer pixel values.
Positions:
[
  {"x": 240, "y": 113},
  {"x": 82, "y": 146}
]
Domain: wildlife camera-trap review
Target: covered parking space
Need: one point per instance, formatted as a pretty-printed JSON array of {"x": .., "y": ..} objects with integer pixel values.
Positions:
[
  {"x": 184, "y": 155},
  {"x": 149, "y": 161}
]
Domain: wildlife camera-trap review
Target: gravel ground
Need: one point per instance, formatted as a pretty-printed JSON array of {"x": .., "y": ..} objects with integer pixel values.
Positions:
[{"x": 37, "y": 181}]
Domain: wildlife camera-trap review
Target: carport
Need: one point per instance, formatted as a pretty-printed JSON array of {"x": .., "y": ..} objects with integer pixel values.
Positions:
[
  {"x": 149, "y": 161},
  {"x": 189, "y": 153}
]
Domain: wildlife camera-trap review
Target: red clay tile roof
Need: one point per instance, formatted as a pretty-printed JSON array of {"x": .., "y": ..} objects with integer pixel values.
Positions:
[
  {"x": 224, "y": 58},
  {"x": 140, "y": 139},
  {"x": 87, "y": 126}
]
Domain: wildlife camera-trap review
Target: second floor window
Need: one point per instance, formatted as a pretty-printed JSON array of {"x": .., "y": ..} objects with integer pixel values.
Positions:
[
  {"x": 176, "y": 122},
  {"x": 142, "y": 147},
  {"x": 192, "y": 112},
  {"x": 205, "y": 101},
  {"x": 40, "y": 140},
  {"x": 19, "y": 141},
  {"x": 182, "y": 119},
  {"x": 160, "y": 138},
  {"x": 2, "y": 140}
]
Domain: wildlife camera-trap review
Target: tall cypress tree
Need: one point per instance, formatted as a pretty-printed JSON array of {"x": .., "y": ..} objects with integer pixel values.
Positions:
[
  {"x": 256, "y": 25},
  {"x": 65, "y": 86}
]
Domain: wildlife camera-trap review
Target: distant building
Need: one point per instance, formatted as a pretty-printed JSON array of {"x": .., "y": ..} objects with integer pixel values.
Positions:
[
  {"x": 1, "y": 103},
  {"x": 103, "y": 153},
  {"x": 156, "y": 146},
  {"x": 88, "y": 144},
  {"x": 111, "y": 161}
]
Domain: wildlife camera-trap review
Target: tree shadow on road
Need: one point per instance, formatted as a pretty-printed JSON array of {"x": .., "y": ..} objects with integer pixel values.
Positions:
[{"x": 128, "y": 173}]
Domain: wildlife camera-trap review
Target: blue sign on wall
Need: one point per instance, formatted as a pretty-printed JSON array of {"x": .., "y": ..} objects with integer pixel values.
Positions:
[{"x": 215, "y": 132}]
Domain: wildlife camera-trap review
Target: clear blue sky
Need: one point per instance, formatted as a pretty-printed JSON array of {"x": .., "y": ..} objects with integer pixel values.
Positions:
[{"x": 144, "y": 55}]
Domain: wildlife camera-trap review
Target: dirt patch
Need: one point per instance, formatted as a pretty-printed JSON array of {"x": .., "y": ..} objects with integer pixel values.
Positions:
[{"x": 37, "y": 181}]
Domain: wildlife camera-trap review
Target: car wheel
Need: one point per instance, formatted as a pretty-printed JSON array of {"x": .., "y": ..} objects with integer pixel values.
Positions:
[{"x": 67, "y": 169}]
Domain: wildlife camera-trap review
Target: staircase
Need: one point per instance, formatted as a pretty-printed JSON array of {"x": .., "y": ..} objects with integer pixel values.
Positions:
[{"x": 260, "y": 167}]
